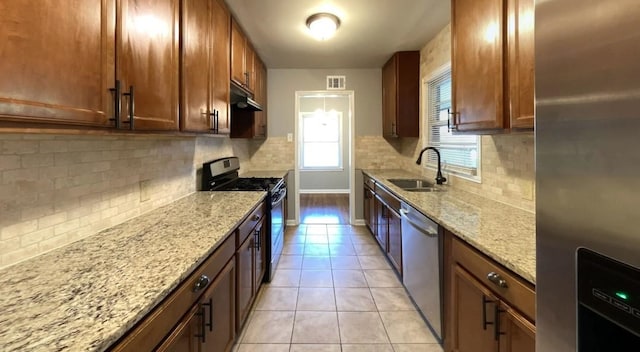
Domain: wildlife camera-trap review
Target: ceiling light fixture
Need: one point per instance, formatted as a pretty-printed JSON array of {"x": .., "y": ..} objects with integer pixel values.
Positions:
[{"x": 323, "y": 25}]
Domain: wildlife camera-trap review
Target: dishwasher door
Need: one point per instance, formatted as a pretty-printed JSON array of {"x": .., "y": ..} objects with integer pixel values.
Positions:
[{"x": 422, "y": 265}]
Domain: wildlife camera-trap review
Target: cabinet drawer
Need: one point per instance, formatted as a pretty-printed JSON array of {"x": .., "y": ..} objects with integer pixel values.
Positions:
[
  {"x": 389, "y": 199},
  {"x": 153, "y": 328},
  {"x": 369, "y": 182},
  {"x": 518, "y": 293},
  {"x": 244, "y": 230}
]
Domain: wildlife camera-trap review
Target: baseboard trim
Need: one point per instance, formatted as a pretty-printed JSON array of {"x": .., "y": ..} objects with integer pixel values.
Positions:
[
  {"x": 359, "y": 222},
  {"x": 291, "y": 222},
  {"x": 324, "y": 191}
]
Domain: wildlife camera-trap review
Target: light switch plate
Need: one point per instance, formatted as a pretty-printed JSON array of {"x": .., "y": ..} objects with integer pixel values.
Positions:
[{"x": 289, "y": 137}]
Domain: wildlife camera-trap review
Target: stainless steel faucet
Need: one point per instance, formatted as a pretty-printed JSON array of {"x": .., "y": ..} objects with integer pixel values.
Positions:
[{"x": 439, "y": 178}]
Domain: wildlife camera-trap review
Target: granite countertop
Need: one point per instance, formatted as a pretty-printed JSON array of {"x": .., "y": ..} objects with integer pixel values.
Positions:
[
  {"x": 85, "y": 296},
  {"x": 265, "y": 173},
  {"x": 504, "y": 233}
]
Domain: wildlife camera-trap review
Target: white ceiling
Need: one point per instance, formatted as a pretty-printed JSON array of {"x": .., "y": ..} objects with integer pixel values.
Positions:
[{"x": 370, "y": 30}]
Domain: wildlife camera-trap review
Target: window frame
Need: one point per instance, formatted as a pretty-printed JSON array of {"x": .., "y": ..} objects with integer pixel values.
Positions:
[
  {"x": 430, "y": 163},
  {"x": 340, "y": 143}
]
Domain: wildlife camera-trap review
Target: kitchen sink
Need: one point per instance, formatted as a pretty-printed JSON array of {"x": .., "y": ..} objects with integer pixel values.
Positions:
[{"x": 415, "y": 185}]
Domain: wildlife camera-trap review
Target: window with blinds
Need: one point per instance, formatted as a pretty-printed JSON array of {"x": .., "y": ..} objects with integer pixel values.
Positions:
[
  {"x": 321, "y": 140},
  {"x": 459, "y": 153}
]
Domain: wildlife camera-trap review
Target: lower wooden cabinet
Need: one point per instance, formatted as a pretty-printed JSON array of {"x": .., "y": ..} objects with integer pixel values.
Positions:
[
  {"x": 383, "y": 208},
  {"x": 369, "y": 208},
  {"x": 488, "y": 309},
  {"x": 473, "y": 314},
  {"x": 210, "y": 325},
  {"x": 517, "y": 334},
  {"x": 381, "y": 232},
  {"x": 207, "y": 310},
  {"x": 252, "y": 263},
  {"x": 219, "y": 311},
  {"x": 185, "y": 336},
  {"x": 244, "y": 258}
]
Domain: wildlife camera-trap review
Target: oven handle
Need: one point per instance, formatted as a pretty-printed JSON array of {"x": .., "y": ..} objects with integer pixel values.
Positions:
[{"x": 281, "y": 196}]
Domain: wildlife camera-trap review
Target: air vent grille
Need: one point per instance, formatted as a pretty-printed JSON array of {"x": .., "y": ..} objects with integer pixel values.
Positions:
[{"x": 336, "y": 82}]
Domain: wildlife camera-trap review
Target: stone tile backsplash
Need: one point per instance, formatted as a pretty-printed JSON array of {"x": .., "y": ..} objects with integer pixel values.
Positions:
[{"x": 56, "y": 189}]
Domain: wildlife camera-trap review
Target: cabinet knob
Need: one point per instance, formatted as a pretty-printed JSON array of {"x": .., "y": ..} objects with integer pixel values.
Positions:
[
  {"x": 255, "y": 218},
  {"x": 497, "y": 279},
  {"x": 201, "y": 283}
]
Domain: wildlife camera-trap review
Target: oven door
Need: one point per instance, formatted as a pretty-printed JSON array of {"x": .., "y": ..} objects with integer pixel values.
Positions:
[{"x": 277, "y": 228}]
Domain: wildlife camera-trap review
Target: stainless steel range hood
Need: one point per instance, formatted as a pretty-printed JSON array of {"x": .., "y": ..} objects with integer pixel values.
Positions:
[
  {"x": 247, "y": 104},
  {"x": 241, "y": 99}
]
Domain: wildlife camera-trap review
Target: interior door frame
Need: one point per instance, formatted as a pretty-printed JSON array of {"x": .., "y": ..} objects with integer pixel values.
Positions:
[{"x": 351, "y": 143}]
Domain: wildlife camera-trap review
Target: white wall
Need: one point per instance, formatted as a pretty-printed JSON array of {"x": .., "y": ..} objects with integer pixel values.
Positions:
[{"x": 283, "y": 83}]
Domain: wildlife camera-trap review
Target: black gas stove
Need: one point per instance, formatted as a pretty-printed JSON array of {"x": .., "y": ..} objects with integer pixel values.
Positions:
[
  {"x": 250, "y": 184},
  {"x": 222, "y": 175}
]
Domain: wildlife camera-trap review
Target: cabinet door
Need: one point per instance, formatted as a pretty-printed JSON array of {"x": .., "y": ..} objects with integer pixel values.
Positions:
[
  {"x": 389, "y": 95},
  {"x": 366, "y": 206},
  {"x": 477, "y": 64},
  {"x": 517, "y": 334},
  {"x": 249, "y": 63},
  {"x": 219, "y": 307},
  {"x": 57, "y": 68},
  {"x": 244, "y": 287},
  {"x": 260, "y": 245},
  {"x": 472, "y": 314},
  {"x": 148, "y": 59},
  {"x": 395, "y": 240},
  {"x": 196, "y": 64},
  {"x": 520, "y": 44},
  {"x": 382, "y": 229},
  {"x": 237, "y": 54},
  {"x": 260, "y": 117},
  {"x": 221, "y": 67},
  {"x": 187, "y": 336}
]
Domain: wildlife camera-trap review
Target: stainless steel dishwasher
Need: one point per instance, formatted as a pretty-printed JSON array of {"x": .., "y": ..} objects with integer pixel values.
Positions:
[{"x": 422, "y": 264}]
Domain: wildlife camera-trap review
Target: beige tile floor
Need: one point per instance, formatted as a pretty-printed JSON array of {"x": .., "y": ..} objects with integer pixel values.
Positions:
[{"x": 334, "y": 291}]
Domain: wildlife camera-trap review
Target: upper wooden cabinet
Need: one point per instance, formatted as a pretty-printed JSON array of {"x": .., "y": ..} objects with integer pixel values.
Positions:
[
  {"x": 242, "y": 58},
  {"x": 492, "y": 82},
  {"x": 260, "y": 117},
  {"x": 253, "y": 124},
  {"x": 250, "y": 66},
  {"x": 56, "y": 67},
  {"x": 400, "y": 95},
  {"x": 221, "y": 65},
  {"x": 205, "y": 67},
  {"x": 520, "y": 45},
  {"x": 147, "y": 61}
]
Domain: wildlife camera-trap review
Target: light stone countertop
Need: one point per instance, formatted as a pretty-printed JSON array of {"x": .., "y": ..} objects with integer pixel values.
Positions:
[
  {"x": 85, "y": 296},
  {"x": 504, "y": 233},
  {"x": 265, "y": 173}
]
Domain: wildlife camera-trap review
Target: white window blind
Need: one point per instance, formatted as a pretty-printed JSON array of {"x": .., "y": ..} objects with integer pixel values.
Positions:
[
  {"x": 321, "y": 140},
  {"x": 458, "y": 152}
]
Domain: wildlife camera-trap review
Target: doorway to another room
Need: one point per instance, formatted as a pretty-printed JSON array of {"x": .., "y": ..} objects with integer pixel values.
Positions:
[{"x": 324, "y": 158}]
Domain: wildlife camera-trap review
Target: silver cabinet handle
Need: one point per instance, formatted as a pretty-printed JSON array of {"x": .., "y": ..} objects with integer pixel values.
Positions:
[
  {"x": 497, "y": 279},
  {"x": 404, "y": 212},
  {"x": 202, "y": 283}
]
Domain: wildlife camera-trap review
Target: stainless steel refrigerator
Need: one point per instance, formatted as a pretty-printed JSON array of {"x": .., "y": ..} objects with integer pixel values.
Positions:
[{"x": 587, "y": 175}]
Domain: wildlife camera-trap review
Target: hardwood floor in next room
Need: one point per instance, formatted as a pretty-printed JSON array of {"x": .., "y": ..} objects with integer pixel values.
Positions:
[
  {"x": 334, "y": 291},
  {"x": 324, "y": 209}
]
